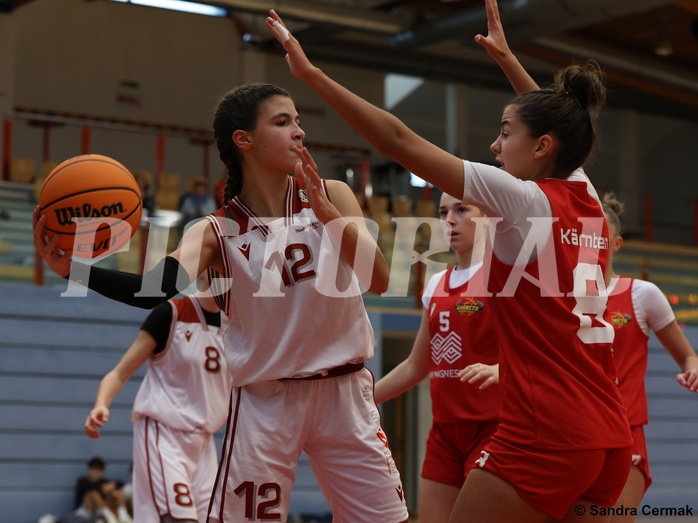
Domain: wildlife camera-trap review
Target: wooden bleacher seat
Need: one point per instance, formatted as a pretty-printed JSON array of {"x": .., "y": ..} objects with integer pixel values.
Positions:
[
  {"x": 426, "y": 209},
  {"x": 167, "y": 198},
  {"x": 169, "y": 181},
  {"x": 22, "y": 170},
  {"x": 377, "y": 204},
  {"x": 402, "y": 206},
  {"x": 169, "y": 191}
]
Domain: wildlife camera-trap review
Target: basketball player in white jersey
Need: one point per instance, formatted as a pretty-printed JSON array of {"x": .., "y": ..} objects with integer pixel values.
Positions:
[
  {"x": 293, "y": 250},
  {"x": 182, "y": 401}
]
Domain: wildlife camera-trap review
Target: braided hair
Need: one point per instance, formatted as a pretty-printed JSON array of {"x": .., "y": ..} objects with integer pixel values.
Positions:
[
  {"x": 238, "y": 110},
  {"x": 567, "y": 110}
]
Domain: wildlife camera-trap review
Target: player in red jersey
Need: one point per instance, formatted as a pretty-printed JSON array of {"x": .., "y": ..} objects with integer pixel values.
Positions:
[
  {"x": 563, "y": 442},
  {"x": 636, "y": 307},
  {"x": 456, "y": 332}
]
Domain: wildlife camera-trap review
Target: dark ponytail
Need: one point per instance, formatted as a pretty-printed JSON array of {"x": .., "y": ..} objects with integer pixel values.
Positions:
[{"x": 568, "y": 111}]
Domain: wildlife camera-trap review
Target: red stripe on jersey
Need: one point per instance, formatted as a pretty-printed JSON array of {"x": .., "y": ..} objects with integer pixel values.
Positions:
[
  {"x": 298, "y": 199},
  {"x": 226, "y": 454},
  {"x": 222, "y": 295},
  {"x": 242, "y": 214}
]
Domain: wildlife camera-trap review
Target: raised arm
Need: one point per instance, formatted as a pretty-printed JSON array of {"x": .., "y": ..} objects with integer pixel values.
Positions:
[
  {"x": 382, "y": 130},
  {"x": 495, "y": 43}
]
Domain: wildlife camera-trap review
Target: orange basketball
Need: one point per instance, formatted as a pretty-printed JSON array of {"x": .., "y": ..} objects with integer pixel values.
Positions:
[{"x": 94, "y": 204}]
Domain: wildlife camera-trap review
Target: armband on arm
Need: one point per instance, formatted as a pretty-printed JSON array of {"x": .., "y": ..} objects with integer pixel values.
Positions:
[{"x": 162, "y": 282}]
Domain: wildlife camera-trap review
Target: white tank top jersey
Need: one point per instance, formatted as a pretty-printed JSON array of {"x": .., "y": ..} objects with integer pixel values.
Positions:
[
  {"x": 187, "y": 385},
  {"x": 292, "y": 306}
]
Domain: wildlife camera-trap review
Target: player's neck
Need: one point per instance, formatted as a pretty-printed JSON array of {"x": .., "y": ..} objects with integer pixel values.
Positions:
[
  {"x": 610, "y": 273},
  {"x": 265, "y": 196},
  {"x": 469, "y": 257}
]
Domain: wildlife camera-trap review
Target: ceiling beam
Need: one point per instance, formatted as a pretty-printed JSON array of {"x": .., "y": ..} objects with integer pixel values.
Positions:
[{"x": 323, "y": 13}]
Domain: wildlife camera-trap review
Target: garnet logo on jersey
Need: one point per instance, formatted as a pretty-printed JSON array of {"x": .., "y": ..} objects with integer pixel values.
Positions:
[
  {"x": 618, "y": 318},
  {"x": 303, "y": 195},
  {"x": 188, "y": 334},
  {"x": 400, "y": 493},
  {"x": 446, "y": 348},
  {"x": 469, "y": 306},
  {"x": 245, "y": 250}
]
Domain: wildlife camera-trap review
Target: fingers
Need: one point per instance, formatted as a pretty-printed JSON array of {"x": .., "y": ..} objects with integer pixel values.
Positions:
[
  {"x": 491, "y": 380},
  {"x": 689, "y": 380},
  {"x": 277, "y": 27},
  {"x": 309, "y": 166},
  {"x": 39, "y": 222},
  {"x": 92, "y": 429},
  {"x": 35, "y": 216},
  {"x": 492, "y": 11},
  {"x": 300, "y": 175}
]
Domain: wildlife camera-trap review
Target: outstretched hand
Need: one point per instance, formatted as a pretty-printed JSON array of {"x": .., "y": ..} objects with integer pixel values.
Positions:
[
  {"x": 495, "y": 43},
  {"x": 307, "y": 174},
  {"x": 58, "y": 260},
  {"x": 299, "y": 64}
]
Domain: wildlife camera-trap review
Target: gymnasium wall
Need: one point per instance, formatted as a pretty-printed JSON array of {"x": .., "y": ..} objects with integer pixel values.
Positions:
[{"x": 83, "y": 58}]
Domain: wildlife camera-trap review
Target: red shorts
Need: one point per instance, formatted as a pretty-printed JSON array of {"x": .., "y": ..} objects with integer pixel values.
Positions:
[
  {"x": 552, "y": 481},
  {"x": 639, "y": 458},
  {"x": 453, "y": 448}
]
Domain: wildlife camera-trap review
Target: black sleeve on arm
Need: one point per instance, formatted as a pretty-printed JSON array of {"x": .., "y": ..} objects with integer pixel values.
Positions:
[
  {"x": 159, "y": 324},
  {"x": 161, "y": 283}
]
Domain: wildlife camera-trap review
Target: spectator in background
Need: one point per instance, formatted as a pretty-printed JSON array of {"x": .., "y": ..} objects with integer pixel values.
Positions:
[
  {"x": 198, "y": 203},
  {"x": 147, "y": 196},
  {"x": 97, "y": 496}
]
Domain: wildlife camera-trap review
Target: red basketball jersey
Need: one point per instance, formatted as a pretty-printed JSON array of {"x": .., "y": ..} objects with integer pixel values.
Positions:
[
  {"x": 629, "y": 351},
  {"x": 462, "y": 332},
  {"x": 556, "y": 366}
]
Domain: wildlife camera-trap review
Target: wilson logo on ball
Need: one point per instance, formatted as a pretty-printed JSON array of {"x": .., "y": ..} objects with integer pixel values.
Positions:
[{"x": 65, "y": 215}]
